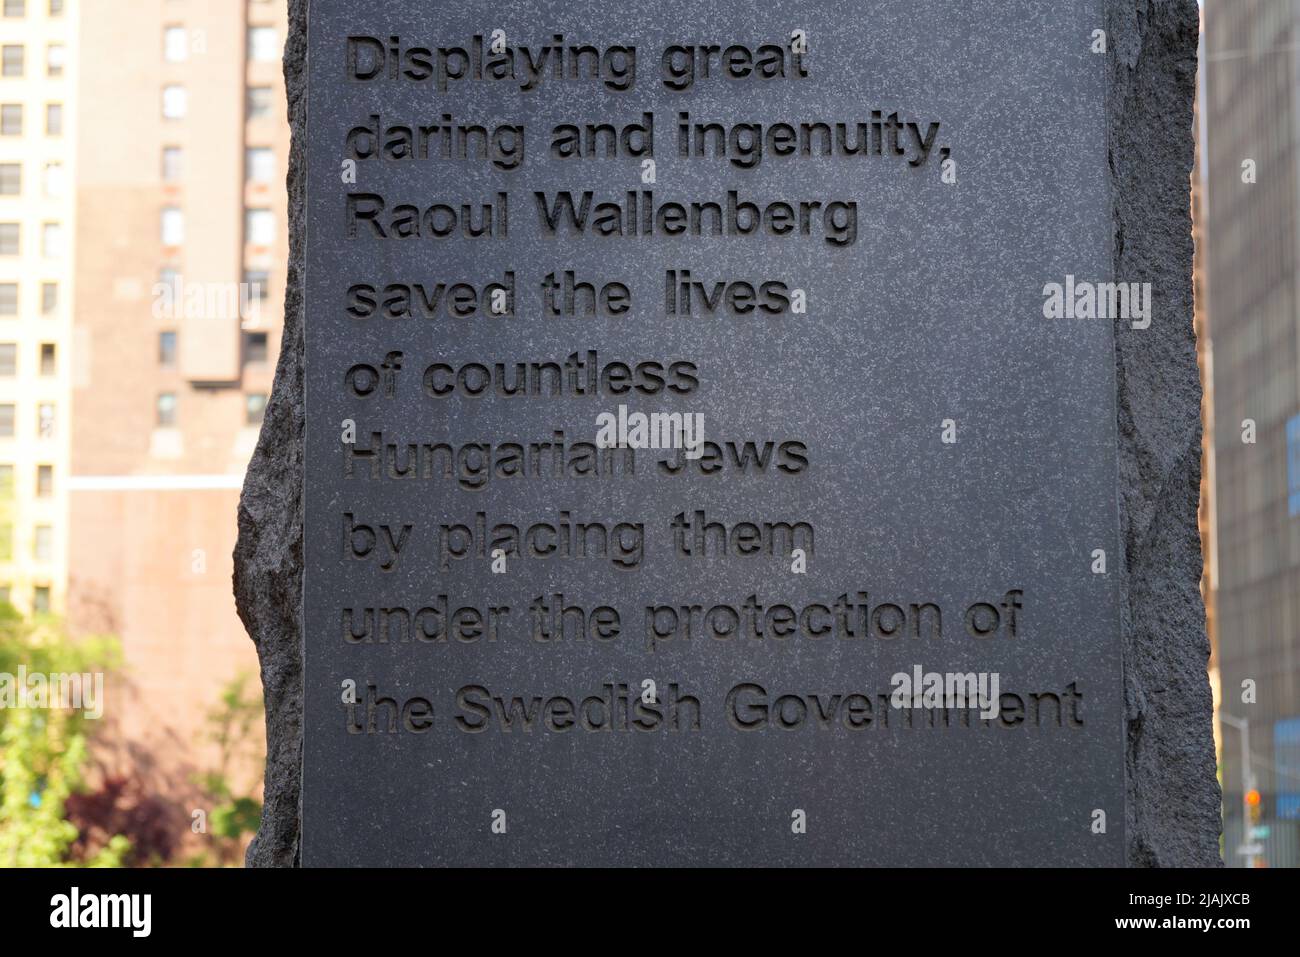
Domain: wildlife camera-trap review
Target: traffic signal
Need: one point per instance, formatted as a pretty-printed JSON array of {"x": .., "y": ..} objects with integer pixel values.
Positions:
[{"x": 1253, "y": 805}]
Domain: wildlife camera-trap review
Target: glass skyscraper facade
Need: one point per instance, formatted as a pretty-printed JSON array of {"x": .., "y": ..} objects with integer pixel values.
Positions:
[{"x": 1250, "y": 289}]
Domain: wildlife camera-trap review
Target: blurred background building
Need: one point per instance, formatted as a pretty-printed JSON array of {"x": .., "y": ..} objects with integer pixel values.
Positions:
[
  {"x": 181, "y": 245},
  {"x": 38, "y": 84},
  {"x": 1249, "y": 288},
  {"x": 142, "y": 253}
]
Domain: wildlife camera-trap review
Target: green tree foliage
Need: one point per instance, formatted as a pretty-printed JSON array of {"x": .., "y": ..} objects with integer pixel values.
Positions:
[
  {"x": 233, "y": 725},
  {"x": 43, "y": 751}
]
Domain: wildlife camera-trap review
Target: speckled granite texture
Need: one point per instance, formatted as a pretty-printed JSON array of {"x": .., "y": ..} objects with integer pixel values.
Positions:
[{"x": 1173, "y": 799}]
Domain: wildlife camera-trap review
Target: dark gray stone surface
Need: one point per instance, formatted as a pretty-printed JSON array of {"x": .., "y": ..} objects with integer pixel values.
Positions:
[{"x": 1172, "y": 801}]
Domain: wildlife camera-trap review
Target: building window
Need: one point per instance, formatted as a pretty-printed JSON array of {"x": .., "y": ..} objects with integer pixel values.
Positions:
[
  {"x": 263, "y": 44},
  {"x": 171, "y": 164},
  {"x": 41, "y": 599},
  {"x": 45, "y": 420},
  {"x": 254, "y": 408},
  {"x": 11, "y": 179},
  {"x": 259, "y": 102},
  {"x": 49, "y": 297},
  {"x": 55, "y": 58},
  {"x": 258, "y": 284},
  {"x": 52, "y": 240},
  {"x": 259, "y": 227},
  {"x": 167, "y": 349},
  {"x": 256, "y": 347},
  {"x": 175, "y": 102},
  {"x": 8, "y": 359},
  {"x": 8, "y": 298},
  {"x": 53, "y": 119},
  {"x": 7, "y": 419},
  {"x": 53, "y": 179},
  {"x": 173, "y": 226},
  {"x": 15, "y": 8},
  {"x": 176, "y": 47},
  {"x": 166, "y": 410},
  {"x": 43, "y": 543},
  {"x": 11, "y": 60},
  {"x": 11, "y": 119},
  {"x": 10, "y": 239},
  {"x": 49, "y": 362},
  {"x": 44, "y": 481},
  {"x": 259, "y": 165}
]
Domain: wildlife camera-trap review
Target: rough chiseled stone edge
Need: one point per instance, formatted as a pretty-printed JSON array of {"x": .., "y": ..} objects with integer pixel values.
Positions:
[
  {"x": 268, "y": 553},
  {"x": 1173, "y": 800}
]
